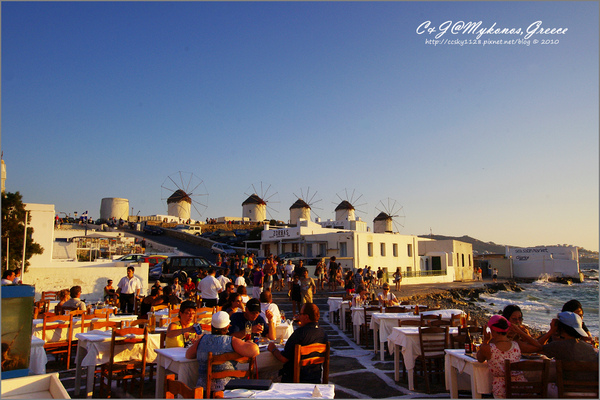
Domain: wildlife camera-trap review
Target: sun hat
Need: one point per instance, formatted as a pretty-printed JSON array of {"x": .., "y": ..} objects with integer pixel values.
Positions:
[
  {"x": 253, "y": 305},
  {"x": 220, "y": 320},
  {"x": 573, "y": 320},
  {"x": 494, "y": 320}
]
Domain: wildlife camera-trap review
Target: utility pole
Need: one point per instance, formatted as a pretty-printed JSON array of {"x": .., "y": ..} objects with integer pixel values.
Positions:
[{"x": 24, "y": 246}]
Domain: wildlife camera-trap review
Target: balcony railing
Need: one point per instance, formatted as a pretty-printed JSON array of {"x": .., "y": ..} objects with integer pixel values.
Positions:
[{"x": 419, "y": 274}]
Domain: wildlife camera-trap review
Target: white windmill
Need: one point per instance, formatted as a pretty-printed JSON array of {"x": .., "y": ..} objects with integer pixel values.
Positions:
[
  {"x": 261, "y": 202},
  {"x": 184, "y": 191},
  {"x": 303, "y": 206},
  {"x": 390, "y": 218},
  {"x": 346, "y": 209}
]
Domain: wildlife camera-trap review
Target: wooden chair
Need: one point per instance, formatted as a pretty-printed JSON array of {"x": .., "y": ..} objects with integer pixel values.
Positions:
[
  {"x": 140, "y": 322},
  {"x": 40, "y": 308},
  {"x": 235, "y": 373},
  {"x": 49, "y": 295},
  {"x": 61, "y": 347},
  {"x": 427, "y": 319},
  {"x": 536, "y": 384},
  {"x": 440, "y": 323},
  {"x": 106, "y": 324},
  {"x": 174, "y": 388},
  {"x": 473, "y": 329},
  {"x": 432, "y": 341},
  {"x": 455, "y": 319},
  {"x": 173, "y": 313},
  {"x": 396, "y": 309},
  {"x": 405, "y": 303},
  {"x": 104, "y": 313},
  {"x": 124, "y": 370},
  {"x": 577, "y": 379},
  {"x": 160, "y": 307},
  {"x": 322, "y": 357},
  {"x": 365, "y": 327}
]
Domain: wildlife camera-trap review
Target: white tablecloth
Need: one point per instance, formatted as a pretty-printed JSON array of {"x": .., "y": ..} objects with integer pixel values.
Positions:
[
  {"x": 93, "y": 348},
  {"x": 37, "y": 357},
  {"x": 334, "y": 303},
  {"x": 408, "y": 339},
  {"x": 295, "y": 391},
  {"x": 456, "y": 362},
  {"x": 173, "y": 359},
  {"x": 383, "y": 323}
]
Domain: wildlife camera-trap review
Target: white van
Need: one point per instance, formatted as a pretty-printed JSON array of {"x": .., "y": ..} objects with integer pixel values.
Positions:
[{"x": 191, "y": 229}]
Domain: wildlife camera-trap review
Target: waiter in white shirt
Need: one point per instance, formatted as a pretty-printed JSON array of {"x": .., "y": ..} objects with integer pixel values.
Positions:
[
  {"x": 210, "y": 287},
  {"x": 128, "y": 289}
]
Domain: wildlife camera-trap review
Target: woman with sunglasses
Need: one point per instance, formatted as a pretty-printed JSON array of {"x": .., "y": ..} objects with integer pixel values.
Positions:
[
  {"x": 514, "y": 315},
  {"x": 176, "y": 332},
  {"x": 387, "y": 298}
]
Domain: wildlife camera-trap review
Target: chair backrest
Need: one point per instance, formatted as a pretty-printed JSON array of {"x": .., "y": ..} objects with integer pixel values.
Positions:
[
  {"x": 160, "y": 307},
  {"x": 174, "y": 312},
  {"x": 175, "y": 388},
  {"x": 105, "y": 324},
  {"x": 577, "y": 379},
  {"x": 49, "y": 295},
  {"x": 368, "y": 312},
  {"x": 136, "y": 322},
  {"x": 426, "y": 319},
  {"x": 235, "y": 373},
  {"x": 472, "y": 329},
  {"x": 322, "y": 351},
  {"x": 70, "y": 309},
  {"x": 440, "y": 322},
  {"x": 104, "y": 313},
  {"x": 128, "y": 336},
  {"x": 83, "y": 323},
  {"x": 433, "y": 341},
  {"x": 63, "y": 322},
  {"x": 405, "y": 303},
  {"x": 536, "y": 383},
  {"x": 455, "y": 319},
  {"x": 409, "y": 322},
  {"x": 347, "y": 297},
  {"x": 396, "y": 309}
]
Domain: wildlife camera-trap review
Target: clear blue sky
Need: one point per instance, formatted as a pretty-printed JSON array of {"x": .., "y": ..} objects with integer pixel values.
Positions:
[{"x": 498, "y": 142}]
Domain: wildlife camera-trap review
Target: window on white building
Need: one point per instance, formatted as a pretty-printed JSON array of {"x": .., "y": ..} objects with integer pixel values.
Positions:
[
  {"x": 382, "y": 249},
  {"x": 463, "y": 259},
  {"x": 322, "y": 249},
  {"x": 295, "y": 247},
  {"x": 309, "y": 250},
  {"x": 395, "y": 249},
  {"x": 343, "y": 249},
  {"x": 370, "y": 249},
  {"x": 409, "y": 249}
]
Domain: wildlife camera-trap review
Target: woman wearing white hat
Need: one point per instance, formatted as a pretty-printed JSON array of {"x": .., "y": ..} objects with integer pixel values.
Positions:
[{"x": 218, "y": 342}]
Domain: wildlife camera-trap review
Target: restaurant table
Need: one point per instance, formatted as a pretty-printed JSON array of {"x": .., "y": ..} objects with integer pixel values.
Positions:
[
  {"x": 55, "y": 335},
  {"x": 334, "y": 304},
  {"x": 93, "y": 348},
  {"x": 383, "y": 323},
  {"x": 457, "y": 362},
  {"x": 289, "y": 391},
  {"x": 37, "y": 358},
  {"x": 173, "y": 359},
  {"x": 358, "y": 318},
  {"x": 408, "y": 339}
]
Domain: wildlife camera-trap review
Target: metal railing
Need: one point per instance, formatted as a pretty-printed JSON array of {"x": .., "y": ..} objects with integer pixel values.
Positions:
[{"x": 418, "y": 274}]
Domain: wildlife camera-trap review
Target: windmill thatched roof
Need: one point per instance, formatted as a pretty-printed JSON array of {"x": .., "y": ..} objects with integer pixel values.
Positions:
[
  {"x": 299, "y": 204},
  {"x": 344, "y": 205},
  {"x": 382, "y": 217},
  {"x": 179, "y": 196},
  {"x": 254, "y": 199}
]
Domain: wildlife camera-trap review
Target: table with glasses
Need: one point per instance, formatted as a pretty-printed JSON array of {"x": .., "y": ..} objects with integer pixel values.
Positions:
[
  {"x": 383, "y": 323},
  {"x": 457, "y": 362},
  {"x": 358, "y": 317},
  {"x": 407, "y": 338},
  {"x": 173, "y": 360},
  {"x": 93, "y": 348}
]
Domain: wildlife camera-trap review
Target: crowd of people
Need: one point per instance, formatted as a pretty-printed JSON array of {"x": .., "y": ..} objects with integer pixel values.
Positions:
[{"x": 506, "y": 338}]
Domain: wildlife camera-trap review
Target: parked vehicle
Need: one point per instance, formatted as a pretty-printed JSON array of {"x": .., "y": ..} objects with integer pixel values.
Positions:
[
  {"x": 191, "y": 229},
  {"x": 153, "y": 259},
  {"x": 153, "y": 230},
  {"x": 131, "y": 257},
  {"x": 184, "y": 266},
  {"x": 222, "y": 248},
  {"x": 155, "y": 272}
]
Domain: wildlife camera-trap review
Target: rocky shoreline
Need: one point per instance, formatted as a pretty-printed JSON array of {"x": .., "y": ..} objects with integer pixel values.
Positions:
[{"x": 465, "y": 299}]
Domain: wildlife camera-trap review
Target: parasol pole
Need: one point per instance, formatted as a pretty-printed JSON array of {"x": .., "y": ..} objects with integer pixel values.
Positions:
[{"x": 24, "y": 246}]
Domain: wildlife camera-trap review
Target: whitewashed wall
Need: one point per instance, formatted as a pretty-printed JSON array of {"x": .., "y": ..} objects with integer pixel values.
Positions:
[
  {"x": 90, "y": 276},
  {"x": 42, "y": 222}
]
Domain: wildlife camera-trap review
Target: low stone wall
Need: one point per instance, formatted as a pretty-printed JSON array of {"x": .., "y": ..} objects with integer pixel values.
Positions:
[{"x": 90, "y": 276}]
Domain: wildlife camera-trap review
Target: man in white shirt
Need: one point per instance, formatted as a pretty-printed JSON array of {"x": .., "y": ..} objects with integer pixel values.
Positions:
[
  {"x": 210, "y": 287},
  {"x": 224, "y": 277},
  {"x": 128, "y": 289},
  {"x": 289, "y": 272}
]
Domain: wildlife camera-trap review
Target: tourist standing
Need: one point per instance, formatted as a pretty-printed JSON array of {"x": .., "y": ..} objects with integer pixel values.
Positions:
[
  {"x": 307, "y": 287},
  {"x": 495, "y": 275},
  {"x": 210, "y": 288},
  {"x": 397, "y": 278},
  {"x": 289, "y": 271},
  {"x": 128, "y": 289},
  {"x": 379, "y": 276},
  {"x": 258, "y": 277},
  {"x": 320, "y": 273},
  {"x": 333, "y": 268}
]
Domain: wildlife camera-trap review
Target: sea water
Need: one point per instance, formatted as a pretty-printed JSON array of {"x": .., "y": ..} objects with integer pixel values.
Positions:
[{"x": 540, "y": 301}]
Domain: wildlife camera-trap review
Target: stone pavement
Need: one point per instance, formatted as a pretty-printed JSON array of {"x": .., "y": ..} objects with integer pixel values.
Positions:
[{"x": 355, "y": 370}]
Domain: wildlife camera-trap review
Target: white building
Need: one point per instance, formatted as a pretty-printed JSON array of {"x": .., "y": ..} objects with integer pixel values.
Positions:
[
  {"x": 550, "y": 261},
  {"x": 420, "y": 260}
]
